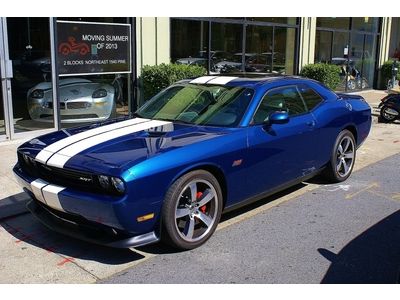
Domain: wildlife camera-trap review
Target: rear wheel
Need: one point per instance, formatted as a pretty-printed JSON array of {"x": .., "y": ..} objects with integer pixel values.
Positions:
[
  {"x": 192, "y": 210},
  {"x": 388, "y": 114},
  {"x": 342, "y": 159}
]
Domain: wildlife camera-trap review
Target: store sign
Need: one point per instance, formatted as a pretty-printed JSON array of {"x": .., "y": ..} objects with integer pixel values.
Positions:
[{"x": 86, "y": 48}]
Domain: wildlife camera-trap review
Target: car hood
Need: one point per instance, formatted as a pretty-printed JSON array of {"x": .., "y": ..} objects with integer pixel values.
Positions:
[{"x": 113, "y": 147}]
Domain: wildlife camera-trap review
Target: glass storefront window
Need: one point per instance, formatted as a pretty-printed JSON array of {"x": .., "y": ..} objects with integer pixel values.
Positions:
[
  {"x": 340, "y": 41},
  {"x": 336, "y": 23},
  {"x": 29, "y": 50},
  {"x": 362, "y": 57},
  {"x": 323, "y": 46},
  {"x": 365, "y": 24},
  {"x": 394, "y": 50},
  {"x": 284, "y": 50},
  {"x": 331, "y": 46},
  {"x": 267, "y": 48},
  {"x": 226, "y": 40},
  {"x": 94, "y": 98},
  {"x": 189, "y": 43},
  {"x": 259, "y": 47},
  {"x": 281, "y": 20}
]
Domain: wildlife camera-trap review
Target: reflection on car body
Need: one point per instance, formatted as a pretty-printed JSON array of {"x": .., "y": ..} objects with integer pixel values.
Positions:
[{"x": 202, "y": 58}]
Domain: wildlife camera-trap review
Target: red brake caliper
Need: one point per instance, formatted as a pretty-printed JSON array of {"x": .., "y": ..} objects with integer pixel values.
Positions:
[{"x": 202, "y": 208}]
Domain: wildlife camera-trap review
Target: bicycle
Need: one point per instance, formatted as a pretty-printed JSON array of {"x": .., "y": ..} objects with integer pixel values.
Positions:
[{"x": 391, "y": 84}]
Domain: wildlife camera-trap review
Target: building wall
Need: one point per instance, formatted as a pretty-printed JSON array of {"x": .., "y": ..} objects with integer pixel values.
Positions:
[
  {"x": 152, "y": 41},
  {"x": 307, "y": 41}
]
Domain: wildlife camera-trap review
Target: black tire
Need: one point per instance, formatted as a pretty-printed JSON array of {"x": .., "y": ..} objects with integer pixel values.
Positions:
[
  {"x": 113, "y": 113},
  {"x": 386, "y": 117},
  {"x": 177, "y": 197},
  {"x": 331, "y": 171}
]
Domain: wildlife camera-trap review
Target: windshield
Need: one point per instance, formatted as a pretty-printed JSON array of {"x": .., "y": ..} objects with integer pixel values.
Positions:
[{"x": 211, "y": 105}]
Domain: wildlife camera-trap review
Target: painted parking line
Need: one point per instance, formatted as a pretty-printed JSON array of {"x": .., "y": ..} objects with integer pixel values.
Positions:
[{"x": 367, "y": 188}]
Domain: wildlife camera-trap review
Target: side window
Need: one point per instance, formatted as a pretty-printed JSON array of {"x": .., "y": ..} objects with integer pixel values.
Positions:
[
  {"x": 280, "y": 99},
  {"x": 310, "y": 97}
]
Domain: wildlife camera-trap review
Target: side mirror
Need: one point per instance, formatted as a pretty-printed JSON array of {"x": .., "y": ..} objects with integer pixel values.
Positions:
[{"x": 279, "y": 117}]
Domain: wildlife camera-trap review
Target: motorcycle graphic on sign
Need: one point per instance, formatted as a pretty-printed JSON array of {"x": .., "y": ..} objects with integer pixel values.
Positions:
[{"x": 73, "y": 47}]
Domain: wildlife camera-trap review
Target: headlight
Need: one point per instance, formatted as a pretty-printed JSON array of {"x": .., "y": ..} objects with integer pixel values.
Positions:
[
  {"x": 100, "y": 93},
  {"x": 118, "y": 184},
  {"x": 37, "y": 94},
  {"x": 112, "y": 184},
  {"x": 104, "y": 181},
  {"x": 26, "y": 158},
  {"x": 29, "y": 160}
]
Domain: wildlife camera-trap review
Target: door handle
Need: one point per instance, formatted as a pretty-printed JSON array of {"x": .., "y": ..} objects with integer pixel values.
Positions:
[{"x": 311, "y": 123}]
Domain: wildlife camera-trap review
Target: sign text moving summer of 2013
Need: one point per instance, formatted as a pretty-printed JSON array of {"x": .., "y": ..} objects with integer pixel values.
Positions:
[{"x": 93, "y": 48}]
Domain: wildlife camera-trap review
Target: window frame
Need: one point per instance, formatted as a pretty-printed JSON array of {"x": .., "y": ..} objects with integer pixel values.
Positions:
[
  {"x": 275, "y": 88},
  {"x": 308, "y": 86}
]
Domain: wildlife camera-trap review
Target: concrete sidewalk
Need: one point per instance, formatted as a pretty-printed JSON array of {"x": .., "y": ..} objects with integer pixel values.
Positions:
[{"x": 13, "y": 200}]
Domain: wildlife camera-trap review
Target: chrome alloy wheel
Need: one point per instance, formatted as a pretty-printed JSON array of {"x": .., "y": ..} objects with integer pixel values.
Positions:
[
  {"x": 196, "y": 211},
  {"x": 345, "y": 156}
]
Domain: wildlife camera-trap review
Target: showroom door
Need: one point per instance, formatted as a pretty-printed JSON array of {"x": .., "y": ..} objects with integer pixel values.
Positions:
[
  {"x": 5, "y": 88},
  {"x": 28, "y": 43},
  {"x": 25, "y": 77}
]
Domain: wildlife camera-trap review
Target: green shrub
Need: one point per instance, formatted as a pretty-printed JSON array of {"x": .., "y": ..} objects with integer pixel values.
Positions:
[
  {"x": 386, "y": 73},
  {"x": 325, "y": 73},
  {"x": 157, "y": 78}
]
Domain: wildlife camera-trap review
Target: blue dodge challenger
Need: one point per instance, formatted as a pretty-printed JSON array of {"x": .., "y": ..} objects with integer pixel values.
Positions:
[{"x": 198, "y": 148}]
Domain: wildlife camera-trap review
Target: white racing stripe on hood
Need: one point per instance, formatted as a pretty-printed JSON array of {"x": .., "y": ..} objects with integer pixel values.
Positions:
[
  {"x": 48, "y": 151},
  {"x": 59, "y": 159}
]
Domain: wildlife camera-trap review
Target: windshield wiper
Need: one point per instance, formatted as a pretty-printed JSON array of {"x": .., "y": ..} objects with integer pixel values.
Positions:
[{"x": 182, "y": 121}]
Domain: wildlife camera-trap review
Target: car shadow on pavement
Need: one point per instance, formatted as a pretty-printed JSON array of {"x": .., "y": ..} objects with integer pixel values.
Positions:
[
  {"x": 372, "y": 257},
  {"x": 160, "y": 248},
  {"x": 25, "y": 229}
]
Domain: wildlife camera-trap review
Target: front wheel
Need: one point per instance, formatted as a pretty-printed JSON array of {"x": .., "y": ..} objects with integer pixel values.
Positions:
[
  {"x": 342, "y": 159},
  {"x": 192, "y": 209}
]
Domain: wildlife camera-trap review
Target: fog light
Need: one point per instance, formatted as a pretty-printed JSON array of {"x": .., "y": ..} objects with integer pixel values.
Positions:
[
  {"x": 118, "y": 184},
  {"x": 100, "y": 103},
  {"x": 104, "y": 181},
  {"x": 46, "y": 104}
]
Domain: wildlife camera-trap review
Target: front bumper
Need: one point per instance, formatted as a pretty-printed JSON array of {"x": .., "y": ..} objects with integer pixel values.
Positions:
[
  {"x": 91, "y": 232},
  {"x": 84, "y": 216}
]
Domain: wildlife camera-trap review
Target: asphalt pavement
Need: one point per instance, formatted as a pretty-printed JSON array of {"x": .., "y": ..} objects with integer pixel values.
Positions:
[{"x": 342, "y": 233}]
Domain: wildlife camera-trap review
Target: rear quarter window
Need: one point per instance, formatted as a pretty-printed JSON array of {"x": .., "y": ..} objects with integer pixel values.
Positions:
[{"x": 310, "y": 97}]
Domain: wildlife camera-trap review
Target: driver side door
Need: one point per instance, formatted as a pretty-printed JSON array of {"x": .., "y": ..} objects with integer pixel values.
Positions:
[{"x": 280, "y": 153}]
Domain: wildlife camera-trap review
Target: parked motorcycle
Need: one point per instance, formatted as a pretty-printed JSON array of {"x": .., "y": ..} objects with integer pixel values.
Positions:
[{"x": 390, "y": 108}]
